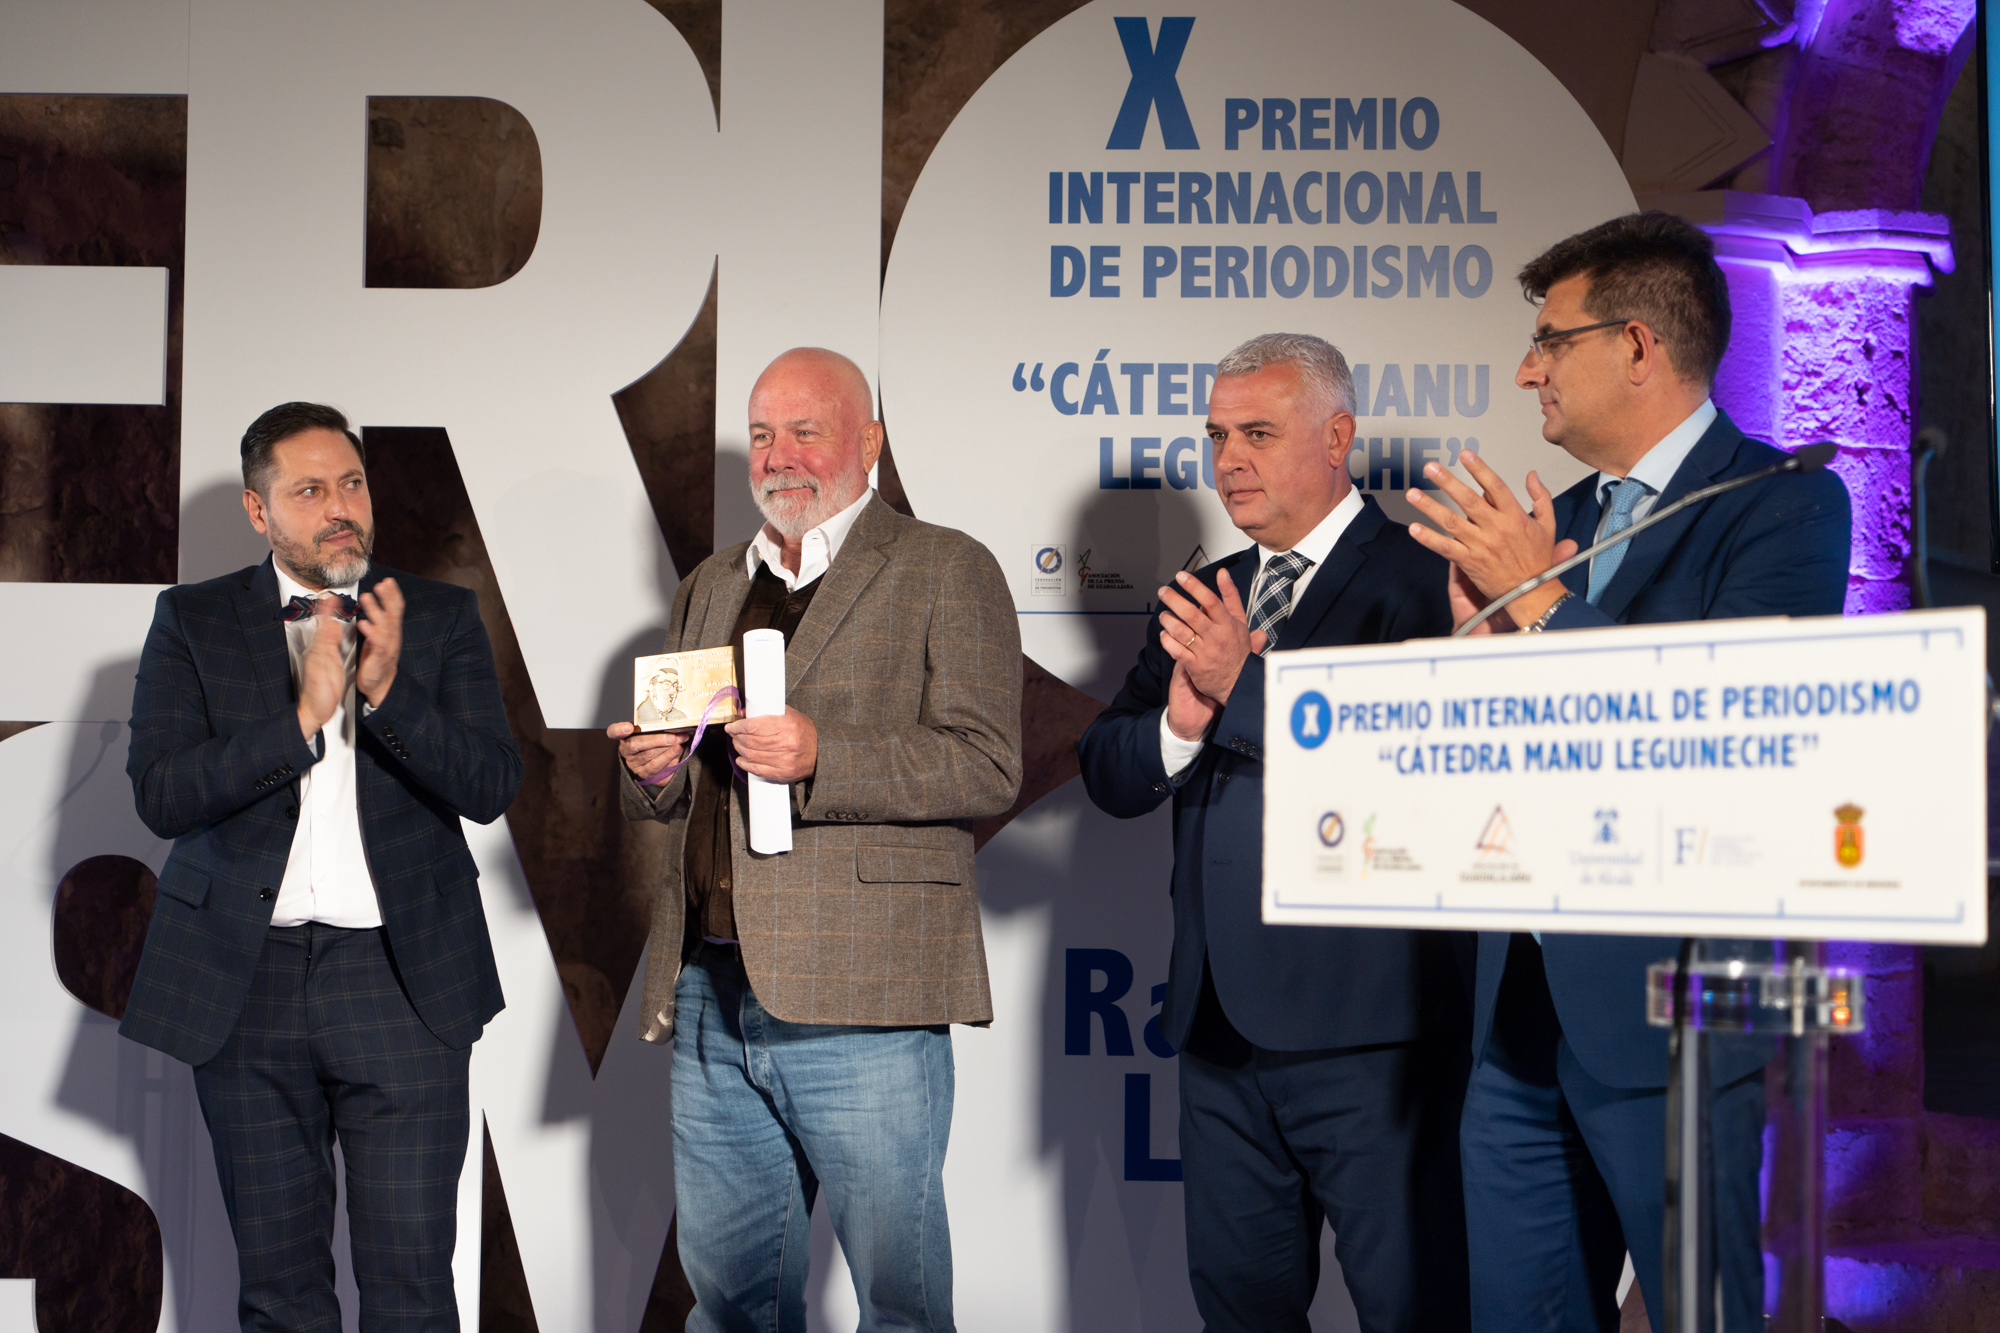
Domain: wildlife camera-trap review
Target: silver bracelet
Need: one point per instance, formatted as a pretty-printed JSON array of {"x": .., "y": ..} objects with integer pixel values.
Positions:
[{"x": 1543, "y": 622}]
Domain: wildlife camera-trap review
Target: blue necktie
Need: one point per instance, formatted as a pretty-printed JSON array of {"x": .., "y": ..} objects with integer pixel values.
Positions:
[
  {"x": 1274, "y": 596},
  {"x": 1624, "y": 496}
]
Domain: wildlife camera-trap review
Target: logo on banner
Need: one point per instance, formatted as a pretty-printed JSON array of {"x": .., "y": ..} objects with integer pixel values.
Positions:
[
  {"x": 1047, "y": 578},
  {"x": 1848, "y": 843},
  {"x": 1604, "y": 826},
  {"x": 1493, "y": 861},
  {"x": 1310, "y": 713},
  {"x": 1090, "y": 580},
  {"x": 1331, "y": 829}
]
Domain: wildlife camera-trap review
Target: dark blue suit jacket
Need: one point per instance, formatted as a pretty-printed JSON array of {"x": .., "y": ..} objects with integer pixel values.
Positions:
[
  {"x": 215, "y": 760},
  {"x": 1776, "y": 548},
  {"x": 1286, "y": 988}
]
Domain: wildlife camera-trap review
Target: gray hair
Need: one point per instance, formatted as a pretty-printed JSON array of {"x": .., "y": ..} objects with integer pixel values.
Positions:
[{"x": 1320, "y": 365}]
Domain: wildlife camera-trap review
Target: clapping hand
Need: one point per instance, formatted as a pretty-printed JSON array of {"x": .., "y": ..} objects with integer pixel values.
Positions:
[{"x": 381, "y": 627}]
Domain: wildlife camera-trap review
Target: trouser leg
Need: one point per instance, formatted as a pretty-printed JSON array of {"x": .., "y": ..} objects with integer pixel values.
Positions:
[
  {"x": 1544, "y": 1239},
  {"x": 1253, "y": 1224},
  {"x": 743, "y": 1190},
  {"x": 272, "y": 1131},
  {"x": 871, "y": 1109},
  {"x": 1375, "y": 1129},
  {"x": 1626, "y": 1129},
  {"x": 401, "y": 1114}
]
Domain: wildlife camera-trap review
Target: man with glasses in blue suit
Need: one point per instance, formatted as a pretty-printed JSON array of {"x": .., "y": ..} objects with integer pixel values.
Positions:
[{"x": 1564, "y": 1133}]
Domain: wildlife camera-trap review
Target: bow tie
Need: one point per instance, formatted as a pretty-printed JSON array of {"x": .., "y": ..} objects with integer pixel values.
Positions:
[{"x": 301, "y": 608}]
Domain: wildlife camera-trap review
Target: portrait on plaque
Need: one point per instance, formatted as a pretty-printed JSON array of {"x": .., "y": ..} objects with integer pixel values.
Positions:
[{"x": 673, "y": 691}]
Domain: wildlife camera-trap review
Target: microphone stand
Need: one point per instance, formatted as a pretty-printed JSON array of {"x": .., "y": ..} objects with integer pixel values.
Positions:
[{"x": 1809, "y": 459}]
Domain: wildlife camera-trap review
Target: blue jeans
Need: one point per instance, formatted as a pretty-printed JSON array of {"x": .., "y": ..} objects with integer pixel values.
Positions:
[{"x": 765, "y": 1113}]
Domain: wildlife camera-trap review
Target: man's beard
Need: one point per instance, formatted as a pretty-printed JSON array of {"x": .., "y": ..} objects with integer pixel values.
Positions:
[
  {"x": 794, "y": 503},
  {"x": 329, "y": 571}
]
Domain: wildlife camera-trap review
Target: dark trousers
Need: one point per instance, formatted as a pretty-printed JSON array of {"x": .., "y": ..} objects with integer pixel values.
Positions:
[
  {"x": 1564, "y": 1174},
  {"x": 328, "y": 1047},
  {"x": 1275, "y": 1143}
]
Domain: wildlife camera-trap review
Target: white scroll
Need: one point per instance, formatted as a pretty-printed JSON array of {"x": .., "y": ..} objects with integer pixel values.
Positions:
[{"x": 764, "y": 696}]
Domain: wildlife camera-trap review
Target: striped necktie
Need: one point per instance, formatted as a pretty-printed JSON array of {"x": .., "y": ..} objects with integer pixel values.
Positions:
[
  {"x": 1273, "y": 604},
  {"x": 1624, "y": 496}
]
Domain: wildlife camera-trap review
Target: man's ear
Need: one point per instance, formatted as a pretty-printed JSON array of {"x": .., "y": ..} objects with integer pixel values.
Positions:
[
  {"x": 253, "y": 505},
  {"x": 1643, "y": 355},
  {"x": 872, "y": 436},
  {"x": 1339, "y": 438}
]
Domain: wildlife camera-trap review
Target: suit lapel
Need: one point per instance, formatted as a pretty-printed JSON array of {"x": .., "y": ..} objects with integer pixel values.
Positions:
[
  {"x": 1343, "y": 562},
  {"x": 716, "y": 622},
  {"x": 1650, "y": 549},
  {"x": 861, "y": 557},
  {"x": 264, "y": 636},
  {"x": 1580, "y": 526}
]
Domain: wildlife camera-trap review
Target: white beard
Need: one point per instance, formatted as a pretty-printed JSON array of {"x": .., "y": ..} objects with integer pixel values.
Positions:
[{"x": 794, "y": 504}]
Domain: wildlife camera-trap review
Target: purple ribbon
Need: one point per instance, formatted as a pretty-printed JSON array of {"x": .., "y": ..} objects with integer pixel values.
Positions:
[{"x": 701, "y": 728}]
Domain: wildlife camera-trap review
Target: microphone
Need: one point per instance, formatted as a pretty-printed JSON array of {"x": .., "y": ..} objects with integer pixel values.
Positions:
[{"x": 1811, "y": 458}]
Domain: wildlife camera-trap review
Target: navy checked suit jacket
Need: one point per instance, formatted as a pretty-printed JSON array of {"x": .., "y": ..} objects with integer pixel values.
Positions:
[
  {"x": 1285, "y": 988},
  {"x": 215, "y": 760},
  {"x": 1778, "y": 548}
]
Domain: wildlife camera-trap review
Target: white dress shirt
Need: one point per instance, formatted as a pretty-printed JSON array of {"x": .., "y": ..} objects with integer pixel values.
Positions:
[
  {"x": 1178, "y": 755},
  {"x": 326, "y": 877},
  {"x": 816, "y": 549},
  {"x": 1658, "y": 466}
]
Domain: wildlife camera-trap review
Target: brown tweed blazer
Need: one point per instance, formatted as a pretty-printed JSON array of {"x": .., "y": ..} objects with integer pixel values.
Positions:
[{"x": 908, "y": 662}]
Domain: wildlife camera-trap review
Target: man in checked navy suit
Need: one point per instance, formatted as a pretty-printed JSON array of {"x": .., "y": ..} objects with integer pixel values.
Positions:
[
  {"x": 1564, "y": 1136},
  {"x": 310, "y": 732},
  {"x": 1321, "y": 1069}
]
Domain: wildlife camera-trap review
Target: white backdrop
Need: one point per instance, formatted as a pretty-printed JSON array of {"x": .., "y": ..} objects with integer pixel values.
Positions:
[{"x": 1063, "y": 1208}]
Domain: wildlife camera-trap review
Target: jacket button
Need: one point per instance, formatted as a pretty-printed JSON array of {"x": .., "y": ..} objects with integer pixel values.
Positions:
[
  {"x": 291, "y": 812},
  {"x": 267, "y": 894}
]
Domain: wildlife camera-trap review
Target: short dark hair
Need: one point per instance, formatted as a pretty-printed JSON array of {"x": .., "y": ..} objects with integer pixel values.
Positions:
[
  {"x": 281, "y": 423},
  {"x": 1652, "y": 267}
]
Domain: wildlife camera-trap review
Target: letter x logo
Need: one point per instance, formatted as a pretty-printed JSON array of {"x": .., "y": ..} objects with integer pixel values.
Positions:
[{"x": 1153, "y": 84}]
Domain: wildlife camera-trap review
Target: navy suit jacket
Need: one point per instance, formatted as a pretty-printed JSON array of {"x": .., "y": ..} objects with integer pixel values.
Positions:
[
  {"x": 215, "y": 760},
  {"x": 1286, "y": 988},
  {"x": 1776, "y": 548}
]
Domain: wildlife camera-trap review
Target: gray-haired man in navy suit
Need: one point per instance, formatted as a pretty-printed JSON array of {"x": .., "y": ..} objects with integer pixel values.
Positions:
[
  {"x": 310, "y": 731},
  {"x": 1321, "y": 1068}
]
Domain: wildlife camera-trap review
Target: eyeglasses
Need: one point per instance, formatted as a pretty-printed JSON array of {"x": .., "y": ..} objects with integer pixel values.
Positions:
[{"x": 1539, "y": 344}]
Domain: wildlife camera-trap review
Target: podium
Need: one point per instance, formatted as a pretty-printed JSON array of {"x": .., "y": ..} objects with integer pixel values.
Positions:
[
  {"x": 1782, "y": 781},
  {"x": 1802, "y": 1004}
]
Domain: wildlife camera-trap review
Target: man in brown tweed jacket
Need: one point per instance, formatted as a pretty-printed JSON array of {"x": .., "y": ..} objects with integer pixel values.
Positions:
[{"x": 811, "y": 991}]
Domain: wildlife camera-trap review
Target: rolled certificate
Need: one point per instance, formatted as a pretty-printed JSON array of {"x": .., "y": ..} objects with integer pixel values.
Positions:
[{"x": 764, "y": 696}]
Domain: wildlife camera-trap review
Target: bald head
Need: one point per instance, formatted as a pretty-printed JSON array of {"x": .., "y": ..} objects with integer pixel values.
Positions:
[
  {"x": 813, "y": 437},
  {"x": 833, "y": 375}
]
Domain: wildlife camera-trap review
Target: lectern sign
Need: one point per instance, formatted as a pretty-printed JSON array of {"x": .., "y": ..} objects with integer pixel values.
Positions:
[{"x": 1821, "y": 778}]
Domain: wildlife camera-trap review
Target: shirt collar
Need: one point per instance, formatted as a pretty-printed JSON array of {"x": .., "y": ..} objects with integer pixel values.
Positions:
[
  {"x": 828, "y": 536},
  {"x": 1318, "y": 544},
  {"x": 1664, "y": 459},
  {"x": 289, "y": 587}
]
